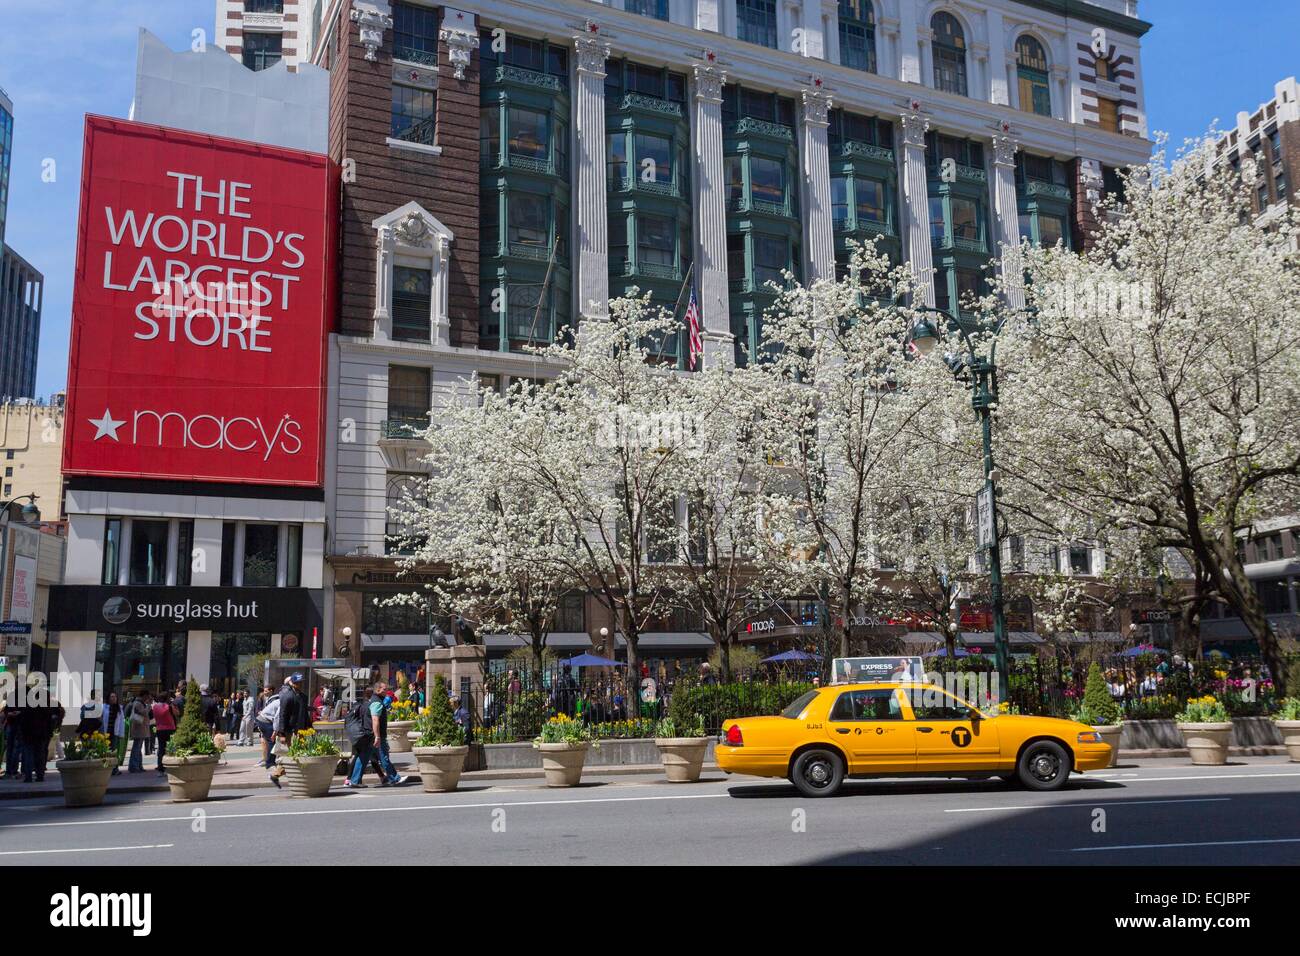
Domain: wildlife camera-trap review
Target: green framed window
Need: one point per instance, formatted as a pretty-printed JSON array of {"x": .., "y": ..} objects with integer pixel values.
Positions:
[
  {"x": 756, "y": 22},
  {"x": 530, "y": 133},
  {"x": 1031, "y": 76},
  {"x": 948, "y": 50},
  {"x": 857, "y": 28}
]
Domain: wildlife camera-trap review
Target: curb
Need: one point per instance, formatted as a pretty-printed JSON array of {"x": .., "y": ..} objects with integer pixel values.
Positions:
[{"x": 523, "y": 773}]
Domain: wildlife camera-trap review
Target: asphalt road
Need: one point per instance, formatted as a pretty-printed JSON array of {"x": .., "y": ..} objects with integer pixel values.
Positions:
[{"x": 1162, "y": 812}]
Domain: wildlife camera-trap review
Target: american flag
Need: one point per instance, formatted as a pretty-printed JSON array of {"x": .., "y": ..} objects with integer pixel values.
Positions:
[{"x": 693, "y": 326}]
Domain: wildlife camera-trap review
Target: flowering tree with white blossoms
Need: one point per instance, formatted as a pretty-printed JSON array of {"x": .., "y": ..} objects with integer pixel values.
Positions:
[
  {"x": 731, "y": 511},
  {"x": 845, "y": 396},
  {"x": 1156, "y": 389},
  {"x": 507, "y": 557}
]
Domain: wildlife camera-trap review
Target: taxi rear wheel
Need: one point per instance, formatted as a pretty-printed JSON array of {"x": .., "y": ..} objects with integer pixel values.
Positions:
[
  {"x": 817, "y": 773},
  {"x": 1044, "y": 765}
]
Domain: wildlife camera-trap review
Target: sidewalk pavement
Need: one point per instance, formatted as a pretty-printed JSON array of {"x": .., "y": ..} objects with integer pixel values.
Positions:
[{"x": 241, "y": 769}]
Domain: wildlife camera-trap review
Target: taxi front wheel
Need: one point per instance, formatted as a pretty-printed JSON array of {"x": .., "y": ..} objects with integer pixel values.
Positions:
[
  {"x": 1044, "y": 766},
  {"x": 817, "y": 773}
]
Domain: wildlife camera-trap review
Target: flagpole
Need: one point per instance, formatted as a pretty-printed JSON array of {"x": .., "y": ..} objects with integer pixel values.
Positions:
[{"x": 678, "y": 304}]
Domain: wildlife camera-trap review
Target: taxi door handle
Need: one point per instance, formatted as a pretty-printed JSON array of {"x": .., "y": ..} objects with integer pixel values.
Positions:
[
  {"x": 841, "y": 730},
  {"x": 925, "y": 730}
]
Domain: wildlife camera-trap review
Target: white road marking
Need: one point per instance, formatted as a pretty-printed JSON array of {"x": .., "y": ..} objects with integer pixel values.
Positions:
[
  {"x": 1164, "y": 846},
  {"x": 1091, "y": 804},
  {"x": 89, "y": 849},
  {"x": 311, "y": 813},
  {"x": 1210, "y": 776}
]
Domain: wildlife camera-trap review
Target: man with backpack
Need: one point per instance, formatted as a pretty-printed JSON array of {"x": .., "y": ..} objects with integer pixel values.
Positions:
[
  {"x": 366, "y": 724},
  {"x": 291, "y": 717}
]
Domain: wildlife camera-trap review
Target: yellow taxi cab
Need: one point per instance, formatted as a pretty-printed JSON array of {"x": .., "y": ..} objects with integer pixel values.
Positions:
[{"x": 884, "y": 729}]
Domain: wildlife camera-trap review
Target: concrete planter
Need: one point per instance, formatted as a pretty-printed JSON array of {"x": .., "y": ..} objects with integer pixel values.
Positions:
[
  {"x": 190, "y": 778},
  {"x": 683, "y": 757},
  {"x": 1110, "y": 734},
  {"x": 1207, "y": 743},
  {"x": 398, "y": 741},
  {"x": 85, "y": 781},
  {"x": 1290, "y": 731},
  {"x": 309, "y": 776},
  {"x": 563, "y": 763},
  {"x": 441, "y": 767}
]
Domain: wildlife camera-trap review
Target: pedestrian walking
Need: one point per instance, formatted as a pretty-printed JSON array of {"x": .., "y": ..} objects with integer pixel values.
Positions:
[
  {"x": 139, "y": 717},
  {"x": 292, "y": 716},
  {"x": 37, "y": 725},
  {"x": 380, "y": 758},
  {"x": 91, "y": 717},
  {"x": 364, "y": 725},
  {"x": 265, "y": 724},
  {"x": 13, "y": 740},
  {"x": 114, "y": 728},
  {"x": 248, "y": 710},
  {"x": 164, "y": 721}
]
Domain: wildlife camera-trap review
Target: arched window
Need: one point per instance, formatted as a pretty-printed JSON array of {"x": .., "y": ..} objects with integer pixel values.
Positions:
[
  {"x": 949, "y": 47},
  {"x": 1031, "y": 74},
  {"x": 858, "y": 35}
]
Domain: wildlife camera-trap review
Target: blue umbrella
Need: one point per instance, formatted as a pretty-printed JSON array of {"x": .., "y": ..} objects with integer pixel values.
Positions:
[
  {"x": 1142, "y": 649},
  {"x": 790, "y": 656},
  {"x": 591, "y": 660}
]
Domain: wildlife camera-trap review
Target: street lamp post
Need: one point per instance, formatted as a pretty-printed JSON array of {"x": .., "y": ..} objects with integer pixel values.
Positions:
[{"x": 984, "y": 396}]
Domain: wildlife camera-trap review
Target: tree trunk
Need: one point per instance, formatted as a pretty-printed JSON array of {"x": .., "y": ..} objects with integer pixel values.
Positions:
[
  {"x": 539, "y": 649},
  {"x": 722, "y": 637},
  {"x": 846, "y": 595},
  {"x": 1243, "y": 599}
]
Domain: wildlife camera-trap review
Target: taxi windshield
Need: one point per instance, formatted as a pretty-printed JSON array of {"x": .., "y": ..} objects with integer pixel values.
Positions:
[{"x": 797, "y": 706}]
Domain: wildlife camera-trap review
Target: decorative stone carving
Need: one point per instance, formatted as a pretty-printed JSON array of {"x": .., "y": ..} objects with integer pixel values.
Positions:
[
  {"x": 460, "y": 47},
  {"x": 592, "y": 52},
  {"x": 412, "y": 230},
  {"x": 1004, "y": 150},
  {"x": 372, "y": 23},
  {"x": 816, "y": 104},
  {"x": 709, "y": 79},
  {"x": 915, "y": 126}
]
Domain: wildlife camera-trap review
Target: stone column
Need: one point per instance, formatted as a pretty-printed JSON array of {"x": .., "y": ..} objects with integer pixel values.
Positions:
[
  {"x": 589, "y": 188},
  {"x": 709, "y": 188},
  {"x": 916, "y": 203},
  {"x": 815, "y": 181},
  {"x": 1006, "y": 216}
]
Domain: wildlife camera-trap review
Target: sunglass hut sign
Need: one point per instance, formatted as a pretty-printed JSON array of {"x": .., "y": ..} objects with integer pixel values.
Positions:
[{"x": 201, "y": 310}]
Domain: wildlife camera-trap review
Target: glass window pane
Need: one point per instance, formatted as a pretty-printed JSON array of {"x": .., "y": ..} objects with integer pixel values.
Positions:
[
  {"x": 112, "y": 547},
  {"x": 529, "y": 133},
  {"x": 616, "y": 154},
  {"x": 489, "y": 135},
  {"x": 527, "y": 218},
  {"x": 839, "y": 201},
  {"x": 767, "y": 179},
  {"x": 148, "y": 552},
  {"x": 654, "y": 158},
  {"x": 1051, "y": 230},
  {"x": 735, "y": 179},
  {"x": 261, "y": 547},
  {"x": 771, "y": 256},
  {"x": 965, "y": 219},
  {"x": 293, "y": 560},
  {"x": 654, "y": 240},
  {"x": 870, "y": 198},
  {"x": 185, "y": 553},
  {"x": 413, "y": 115},
  {"x": 937, "y": 233}
]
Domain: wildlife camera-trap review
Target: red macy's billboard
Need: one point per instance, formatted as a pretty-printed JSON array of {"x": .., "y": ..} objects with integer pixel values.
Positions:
[{"x": 201, "y": 308}]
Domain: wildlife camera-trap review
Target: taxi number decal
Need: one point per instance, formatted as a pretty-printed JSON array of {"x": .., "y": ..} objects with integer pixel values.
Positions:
[
  {"x": 814, "y": 727},
  {"x": 961, "y": 737}
]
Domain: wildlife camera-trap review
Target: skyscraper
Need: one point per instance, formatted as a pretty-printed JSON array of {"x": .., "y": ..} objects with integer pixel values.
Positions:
[{"x": 21, "y": 287}]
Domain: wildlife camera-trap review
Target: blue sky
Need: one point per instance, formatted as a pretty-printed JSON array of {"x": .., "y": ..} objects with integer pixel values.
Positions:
[{"x": 1203, "y": 60}]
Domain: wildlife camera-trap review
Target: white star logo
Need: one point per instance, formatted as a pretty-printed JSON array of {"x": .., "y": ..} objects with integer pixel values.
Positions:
[{"x": 106, "y": 425}]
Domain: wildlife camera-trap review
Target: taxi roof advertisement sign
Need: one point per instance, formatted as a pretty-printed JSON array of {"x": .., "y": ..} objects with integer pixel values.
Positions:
[
  {"x": 201, "y": 309},
  {"x": 864, "y": 670}
]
